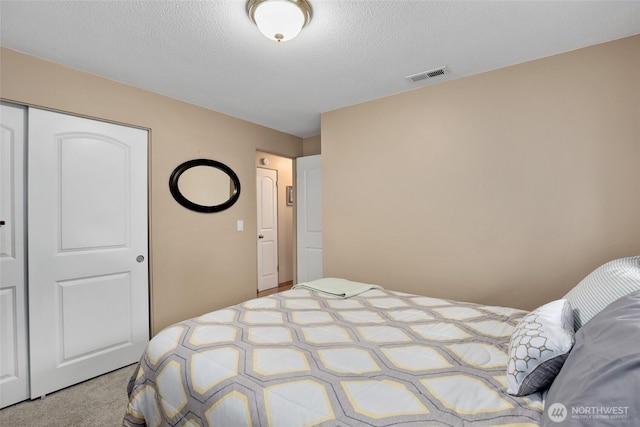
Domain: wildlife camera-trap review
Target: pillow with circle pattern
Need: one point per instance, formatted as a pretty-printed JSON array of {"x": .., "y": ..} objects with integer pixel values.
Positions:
[{"x": 538, "y": 347}]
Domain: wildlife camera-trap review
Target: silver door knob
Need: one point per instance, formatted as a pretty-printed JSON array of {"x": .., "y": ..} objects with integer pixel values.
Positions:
[{"x": 139, "y": 258}]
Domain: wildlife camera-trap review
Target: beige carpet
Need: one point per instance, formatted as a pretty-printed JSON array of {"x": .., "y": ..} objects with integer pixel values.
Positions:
[{"x": 100, "y": 402}]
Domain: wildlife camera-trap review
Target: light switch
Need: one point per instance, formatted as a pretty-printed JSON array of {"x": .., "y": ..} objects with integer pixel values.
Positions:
[{"x": 240, "y": 225}]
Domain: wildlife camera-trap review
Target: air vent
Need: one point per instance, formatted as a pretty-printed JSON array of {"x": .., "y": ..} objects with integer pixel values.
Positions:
[{"x": 427, "y": 74}]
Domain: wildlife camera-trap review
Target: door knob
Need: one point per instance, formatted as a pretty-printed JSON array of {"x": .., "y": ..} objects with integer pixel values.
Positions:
[
  {"x": 261, "y": 237},
  {"x": 139, "y": 258}
]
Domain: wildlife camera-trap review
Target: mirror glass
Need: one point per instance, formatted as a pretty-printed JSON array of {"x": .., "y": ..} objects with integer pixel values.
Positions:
[{"x": 204, "y": 185}]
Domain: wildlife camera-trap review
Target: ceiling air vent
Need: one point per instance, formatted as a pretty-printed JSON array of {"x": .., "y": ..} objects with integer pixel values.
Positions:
[{"x": 427, "y": 74}]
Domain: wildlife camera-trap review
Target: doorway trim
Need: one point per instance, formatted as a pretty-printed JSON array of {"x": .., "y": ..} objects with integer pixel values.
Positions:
[{"x": 285, "y": 166}]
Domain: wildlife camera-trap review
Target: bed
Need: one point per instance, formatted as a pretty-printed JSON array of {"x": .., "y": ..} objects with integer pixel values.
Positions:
[{"x": 367, "y": 357}]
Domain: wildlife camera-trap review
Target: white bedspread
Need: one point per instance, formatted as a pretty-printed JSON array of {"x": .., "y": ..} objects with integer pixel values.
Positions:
[{"x": 303, "y": 357}]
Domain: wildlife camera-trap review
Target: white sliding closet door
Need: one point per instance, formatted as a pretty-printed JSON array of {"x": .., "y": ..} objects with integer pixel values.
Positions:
[
  {"x": 14, "y": 367},
  {"x": 88, "y": 272}
]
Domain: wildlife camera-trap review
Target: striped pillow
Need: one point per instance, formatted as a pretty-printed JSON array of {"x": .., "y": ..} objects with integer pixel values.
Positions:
[{"x": 603, "y": 286}]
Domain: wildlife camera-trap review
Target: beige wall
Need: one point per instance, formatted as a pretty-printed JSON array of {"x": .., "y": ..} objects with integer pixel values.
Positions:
[
  {"x": 311, "y": 146},
  {"x": 199, "y": 262},
  {"x": 284, "y": 166},
  {"x": 502, "y": 188}
]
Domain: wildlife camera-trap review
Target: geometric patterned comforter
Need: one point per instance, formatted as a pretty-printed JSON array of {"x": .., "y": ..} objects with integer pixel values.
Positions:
[{"x": 305, "y": 358}]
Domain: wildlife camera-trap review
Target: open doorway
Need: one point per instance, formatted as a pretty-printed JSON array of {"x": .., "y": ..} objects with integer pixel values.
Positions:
[{"x": 275, "y": 219}]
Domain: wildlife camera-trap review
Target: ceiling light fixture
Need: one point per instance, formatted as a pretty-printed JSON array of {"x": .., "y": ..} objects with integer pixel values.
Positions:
[{"x": 279, "y": 20}]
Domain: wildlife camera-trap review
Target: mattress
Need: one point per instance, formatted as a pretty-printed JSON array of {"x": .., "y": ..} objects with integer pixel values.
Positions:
[{"x": 301, "y": 358}]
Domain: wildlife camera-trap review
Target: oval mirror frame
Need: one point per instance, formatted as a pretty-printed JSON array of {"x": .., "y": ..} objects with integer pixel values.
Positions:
[{"x": 180, "y": 198}]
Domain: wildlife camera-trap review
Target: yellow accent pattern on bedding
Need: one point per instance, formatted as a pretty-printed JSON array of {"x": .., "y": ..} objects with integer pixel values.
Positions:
[{"x": 307, "y": 358}]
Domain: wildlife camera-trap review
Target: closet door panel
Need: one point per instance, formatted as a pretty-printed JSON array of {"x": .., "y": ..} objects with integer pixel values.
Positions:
[
  {"x": 94, "y": 201},
  {"x": 14, "y": 368},
  {"x": 88, "y": 286}
]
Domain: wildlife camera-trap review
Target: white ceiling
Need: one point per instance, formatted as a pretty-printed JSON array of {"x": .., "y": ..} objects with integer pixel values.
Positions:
[{"x": 210, "y": 54}]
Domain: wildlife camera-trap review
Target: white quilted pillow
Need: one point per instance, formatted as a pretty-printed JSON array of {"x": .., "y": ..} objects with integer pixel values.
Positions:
[{"x": 604, "y": 285}]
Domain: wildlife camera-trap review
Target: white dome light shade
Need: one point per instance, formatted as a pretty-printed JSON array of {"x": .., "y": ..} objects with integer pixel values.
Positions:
[{"x": 278, "y": 20}]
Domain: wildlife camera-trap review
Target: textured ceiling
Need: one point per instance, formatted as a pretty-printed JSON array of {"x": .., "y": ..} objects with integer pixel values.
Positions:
[{"x": 210, "y": 54}]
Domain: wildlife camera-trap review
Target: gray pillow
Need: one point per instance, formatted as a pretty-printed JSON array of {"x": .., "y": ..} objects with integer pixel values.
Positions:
[
  {"x": 599, "y": 383},
  {"x": 603, "y": 286}
]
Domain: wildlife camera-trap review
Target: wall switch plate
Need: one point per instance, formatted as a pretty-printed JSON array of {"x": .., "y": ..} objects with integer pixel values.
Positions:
[{"x": 240, "y": 225}]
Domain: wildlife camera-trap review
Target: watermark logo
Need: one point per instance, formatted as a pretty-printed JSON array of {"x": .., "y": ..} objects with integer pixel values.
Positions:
[
  {"x": 600, "y": 412},
  {"x": 557, "y": 412}
]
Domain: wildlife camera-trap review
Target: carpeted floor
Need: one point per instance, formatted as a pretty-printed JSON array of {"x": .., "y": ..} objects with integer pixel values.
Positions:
[{"x": 100, "y": 402}]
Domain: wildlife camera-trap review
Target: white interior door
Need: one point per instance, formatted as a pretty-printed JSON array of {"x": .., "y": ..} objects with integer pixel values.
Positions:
[
  {"x": 14, "y": 359},
  {"x": 88, "y": 272},
  {"x": 267, "y": 191},
  {"x": 309, "y": 217}
]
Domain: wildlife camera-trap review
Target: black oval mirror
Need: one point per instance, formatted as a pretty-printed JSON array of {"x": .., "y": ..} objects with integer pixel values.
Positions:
[{"x": 204, "y": 185}]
